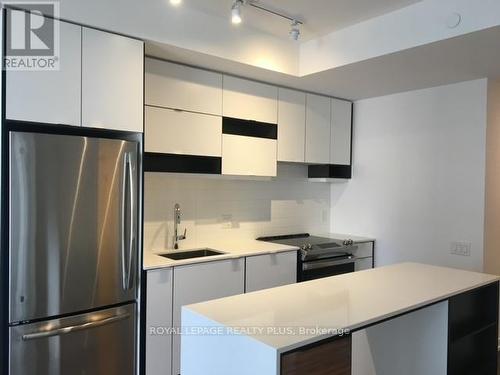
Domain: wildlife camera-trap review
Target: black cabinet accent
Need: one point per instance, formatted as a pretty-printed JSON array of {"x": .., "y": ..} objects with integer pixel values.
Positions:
[
  {"x": 473, "y": 332},
  {"x": 330, "y": 171},
  {"x": 249, "y": 128},
  {"x": 173, "y": 163}
]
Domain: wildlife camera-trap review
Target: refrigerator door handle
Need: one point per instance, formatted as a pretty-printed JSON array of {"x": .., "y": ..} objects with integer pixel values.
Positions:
[
  {"x": 123, "y": 225},
  {"x": 75, "y": 328},
  {"x": 131, "y": 229}
]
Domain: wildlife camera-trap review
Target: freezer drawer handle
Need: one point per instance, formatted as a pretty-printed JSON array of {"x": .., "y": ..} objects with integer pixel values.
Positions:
[{"x": 70, "y": 329}]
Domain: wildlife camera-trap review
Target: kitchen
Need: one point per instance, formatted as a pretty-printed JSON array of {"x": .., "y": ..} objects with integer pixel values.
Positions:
[{"x": 163, "y": 176}]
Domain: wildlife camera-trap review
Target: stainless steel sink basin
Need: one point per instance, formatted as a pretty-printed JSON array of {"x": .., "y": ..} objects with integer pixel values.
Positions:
[{"x": 192, "y": 254}]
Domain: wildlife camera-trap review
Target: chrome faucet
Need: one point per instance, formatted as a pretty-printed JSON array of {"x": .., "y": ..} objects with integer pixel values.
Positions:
[{"x": 177, "y": 221}]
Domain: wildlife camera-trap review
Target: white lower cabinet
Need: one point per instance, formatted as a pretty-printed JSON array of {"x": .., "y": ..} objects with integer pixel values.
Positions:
[
  {"x": 248, "y": 156},
  {"x": 203, "y": 282},
  {"x": 178, "y": 132},
  {"x": 270, "y": 270},
  {"x": 158, "y": 321},
  {"x": 363, "y": 264}
]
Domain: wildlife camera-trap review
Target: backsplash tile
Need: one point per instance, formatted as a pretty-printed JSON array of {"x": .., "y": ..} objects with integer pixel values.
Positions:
[{"x": 219, "y": 207}]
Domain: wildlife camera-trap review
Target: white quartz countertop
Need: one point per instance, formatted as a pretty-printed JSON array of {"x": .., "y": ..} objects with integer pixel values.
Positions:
[
  {"x": 349, "y": 301},
  {"x": 234, "y": 248},
  {"x": 231, "y": 249}
]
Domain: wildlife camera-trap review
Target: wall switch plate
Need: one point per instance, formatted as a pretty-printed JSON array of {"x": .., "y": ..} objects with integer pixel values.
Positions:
[{"x": 461, "y": 248}]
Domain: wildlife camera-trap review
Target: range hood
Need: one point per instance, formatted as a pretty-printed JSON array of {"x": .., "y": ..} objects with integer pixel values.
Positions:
[{"x": 330, "y": 171}]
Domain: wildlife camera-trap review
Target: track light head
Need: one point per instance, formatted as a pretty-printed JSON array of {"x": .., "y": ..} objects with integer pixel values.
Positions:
[
  {"x": 236, "y": 12},
  {"x": 295, "y": 30}
]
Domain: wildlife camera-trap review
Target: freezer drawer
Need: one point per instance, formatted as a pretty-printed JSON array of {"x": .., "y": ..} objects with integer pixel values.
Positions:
[
  {"x": 99, "y": 343},
  {"x": 73, "y": 224}
]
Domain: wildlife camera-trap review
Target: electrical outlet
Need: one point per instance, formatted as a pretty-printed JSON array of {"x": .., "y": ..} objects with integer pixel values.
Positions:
[{"x": 461, "y": 248}]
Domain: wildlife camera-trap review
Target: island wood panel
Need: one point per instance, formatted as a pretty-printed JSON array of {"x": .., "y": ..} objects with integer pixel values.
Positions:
[{"x": 332, "y": 357}]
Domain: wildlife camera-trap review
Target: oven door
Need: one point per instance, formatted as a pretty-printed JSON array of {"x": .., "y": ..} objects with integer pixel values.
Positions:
[{"x": 326, "y": 267}]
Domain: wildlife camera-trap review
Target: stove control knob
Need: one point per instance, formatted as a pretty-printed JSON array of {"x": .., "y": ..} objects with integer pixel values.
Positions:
[
  {"x": 309, "y": 246},
  {"x": 348, "y": 242}
]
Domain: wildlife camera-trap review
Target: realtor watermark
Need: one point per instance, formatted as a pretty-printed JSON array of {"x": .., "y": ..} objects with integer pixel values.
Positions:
[
  {"x": 248, "y": 330},
  {"x": 32, "y": 35}
]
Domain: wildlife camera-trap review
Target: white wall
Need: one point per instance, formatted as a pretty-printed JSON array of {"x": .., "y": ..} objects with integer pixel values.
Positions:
[
  {"x": 217, "y": 208},
  {"x": 419, "y": 171}
]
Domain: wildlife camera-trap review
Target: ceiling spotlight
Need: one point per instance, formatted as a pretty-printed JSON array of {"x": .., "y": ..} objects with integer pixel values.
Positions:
[
  {"x": 175, "y": 2},
  {"x": 295, "y": 30},
  {"x": 236, "y": 12}
]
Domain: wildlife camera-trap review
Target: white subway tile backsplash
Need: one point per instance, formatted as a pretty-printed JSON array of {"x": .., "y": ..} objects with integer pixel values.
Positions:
[{"x": 215, "y": 208}]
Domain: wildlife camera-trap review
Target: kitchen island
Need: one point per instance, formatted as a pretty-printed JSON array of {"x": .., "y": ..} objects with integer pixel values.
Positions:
[{"x": 406, "y": 318}]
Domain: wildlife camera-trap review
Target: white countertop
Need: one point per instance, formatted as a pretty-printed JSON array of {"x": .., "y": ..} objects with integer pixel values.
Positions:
[
  {"x": 347, "y": 301},
  {"x": 234, "y": 248},
  {"x": 231, "y": 249}
]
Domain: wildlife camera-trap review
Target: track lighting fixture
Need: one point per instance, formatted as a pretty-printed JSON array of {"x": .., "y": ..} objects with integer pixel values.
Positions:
[
  {"x": 236, "y": 15},
  {"x": 295, "y": 30},
  {"x": 236, "y": 12}
]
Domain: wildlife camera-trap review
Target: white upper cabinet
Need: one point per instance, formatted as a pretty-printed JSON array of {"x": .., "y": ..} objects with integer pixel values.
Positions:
[
  {"x": 49, "y": 96},
  {"x": 248, "y": 156},
  {"x": 182, "y": 87},
  {"x": 249, "y": 100},
  {"x": 318, "y": 124},
  {"x": 270, "y": 270},
  {"x": 112, "y": 81},
  {"x": 291, "y": 125},
  {"x": 340, "y": 152},
  {"x": 177, "y": 132}
]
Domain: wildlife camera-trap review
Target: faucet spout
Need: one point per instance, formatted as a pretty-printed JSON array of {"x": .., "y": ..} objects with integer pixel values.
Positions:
[{"x": 177, "y": 221}]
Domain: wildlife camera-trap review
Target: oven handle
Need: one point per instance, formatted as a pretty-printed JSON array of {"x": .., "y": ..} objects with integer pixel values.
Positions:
[{"x": 327, "y": 263}]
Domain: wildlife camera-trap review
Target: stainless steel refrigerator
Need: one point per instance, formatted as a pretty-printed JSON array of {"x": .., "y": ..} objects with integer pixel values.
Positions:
[{"x": 73, "y": 254}]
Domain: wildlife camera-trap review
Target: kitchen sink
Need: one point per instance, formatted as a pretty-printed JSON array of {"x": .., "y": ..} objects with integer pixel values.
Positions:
[{"x": 200, "y": 253}]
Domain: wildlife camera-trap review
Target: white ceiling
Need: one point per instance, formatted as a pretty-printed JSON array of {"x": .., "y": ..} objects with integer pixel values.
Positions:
[
  {"x": 471, "y": 56},
  {"x": 320, "y": 16}
]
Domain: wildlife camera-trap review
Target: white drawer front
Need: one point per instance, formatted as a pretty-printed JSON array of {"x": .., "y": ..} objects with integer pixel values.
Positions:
[
  {"x": 250, "y": 100},
  {"x": 178, "y": 86},
  {"x": 270, "y": 270},
  {"x": 248, "y": 156},
  {"x": 178, "y": 132}
]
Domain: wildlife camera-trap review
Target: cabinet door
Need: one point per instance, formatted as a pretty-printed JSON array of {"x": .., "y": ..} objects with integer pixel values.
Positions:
[
  {"x": 112, "y": 81},
  {"x": 203, "y": 282},
  {"x": 179, "y": 132},
  {"x": 318, "y": 129},
  {"x": 340, "y": 152},
  {"x": 159, "y": 318},
  {"x": 291, "y": 125},
  {"x": 248, "y": 156},
  {"x": 249, "y": 100},
  {"x": 363, "y": 264},
  {"x": 270, "y": 270},
  {"x": 182, "y": 87},
  {"x": 49, "y": 96}
]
